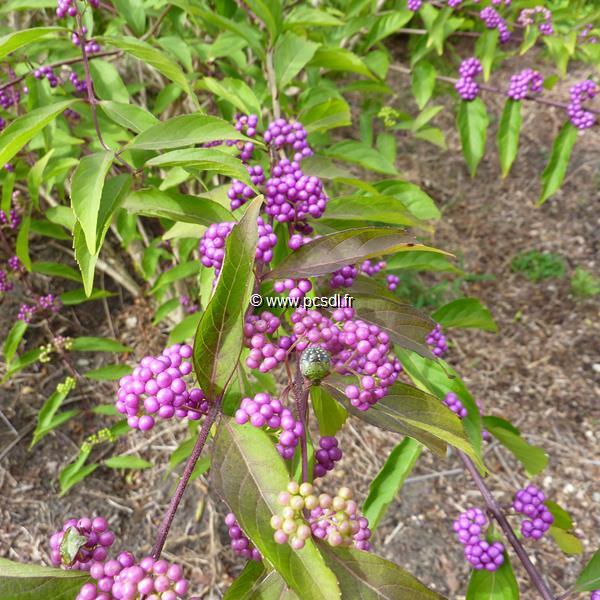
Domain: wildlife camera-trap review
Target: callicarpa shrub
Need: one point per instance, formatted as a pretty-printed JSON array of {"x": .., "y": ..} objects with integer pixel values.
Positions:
[{"x": 198, "y": 161}]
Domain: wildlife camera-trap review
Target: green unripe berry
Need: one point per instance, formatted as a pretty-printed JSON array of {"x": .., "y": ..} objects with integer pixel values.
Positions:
[
  {"x": 306, "y": 489},
  {"x": 311, "y": 502},
  {"x": 338, "y": 503},
  {"x": 334, "y": 539},
  {"x": 288, "y": 512},
  {"x": 276, "y": 521},
  {"x": 297, "y": 502},
  {"x": 303, "y": 532},
  {"x": 289, "y": 526},
  {"x": 293, "y": 487},
  {"x": 345, "y": 493},
  {"x": 315, "y": 363}
]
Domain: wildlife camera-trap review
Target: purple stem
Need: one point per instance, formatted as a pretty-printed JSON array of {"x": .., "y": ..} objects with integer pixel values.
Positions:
[
  {"x": 301, "y": 396},
  {"x": 496, "y": 511}
]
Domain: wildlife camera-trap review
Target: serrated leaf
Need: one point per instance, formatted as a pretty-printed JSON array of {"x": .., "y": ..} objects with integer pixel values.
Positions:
[
  {"x": 248, "y": 474},
  {"x": 127, "y": 461},
  {"x": 97, "y": 344},
  {"x": 390, "y": 479},
  {"x": 85, "y": 259},
  {"x": 423, "y": 82},
  {"x": 330, "y": 415},
  {"x": 562, "y": 519},
  {"x": 555, "y": 170},
  {"x": 78, "y": 296},
  {"x": 422, "y": 261},
  {"x": 437, "y": 30},
  {"x": 508, "y": 134},
  {"x": 486, "y": 49},
  {"x": 497, "y": 585},
  {"x": 14, "y": 337},
  {"x": 387, "y": 24},
  {"x": 269, "y": 12},
  {"x": 291, "y": 55},
  {"x": 472, "y": 121},
  {"x": 465, "y": 313}
]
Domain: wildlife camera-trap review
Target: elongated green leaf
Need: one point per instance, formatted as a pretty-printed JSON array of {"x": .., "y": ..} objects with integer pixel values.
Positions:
[
  {"x": 335, "y": 58},
  {"x": 34, "y": 178},
  {"x": 566, "y": 541},
  {"x": 257, "y": 583},
  {"x": 423, "y": 82},
  {"x": 235, "y": 91},
  {"x": 14, "y": 337},
  {"x": 78, "y": 296},
  {"x": 497, "y": 585},
  {"x": 589, "y": 578},
  {"x": 127, "y": 461},
  {"x": 152, "y": 57},
  {"x": 562, "y": 519},
  {"x": 108, "y": 372},
  {"x": 219, "y": 338},
  {"x": 97, "y": 344},
  {"x": 177, "y": 207},
  {"x": 23, "y": 128},
  {"x": 292, "y": 53},
  {"x": 555, "y": 170},
  {"x": 185, "y": 130},
  {"x": 186, "y": 329},
  {"x": 86, "y": 192},
  {"x": 22, "y": 244},
  {"x": 508, "y": 135},
  {"x": 465, "y": 313},
  {"x": 361, "y": 154},
  {"x": 332, "y": 113},
  {"x": 269, "y": 12},
  {"x": 164, "y": 309},
  {"x": 50, "y": 407},
  {"x": 311, "y": 17},
  {"x": 331, "y": 416},
  {"x": 388, "y": 482},
  {"x": 85, "y": 259},
  {"x": 472, "y": 121},
  {"x": 33, "y": 582},
  {"x": 18, "y": 39},
  {"x": 330, "y": 252},
  {"x": 369, "y": 577},
  {"x": 486, "y": 50},
  {"x": 388, "y": 24},
  {"x": 438, "y": 30},
  {"x": 108, "y": 84},
  {"x": 134, "y": 13},
  {"x": 181, "y": 271},
  {"x": 48, "y": 229},
  {"x": 422, "y": 261},
  {"x": 420, "y": 204},
  {"x": 53, "y": 269},
  {"x": 25, "y": 5},
  {"x": 129, "y": 116},
  {"x": 533, "y": 458},
  {"x": 248, "y": 474}
]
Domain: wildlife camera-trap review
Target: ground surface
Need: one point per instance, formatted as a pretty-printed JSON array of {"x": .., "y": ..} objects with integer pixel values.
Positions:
[{"x": 541, "y": 371}]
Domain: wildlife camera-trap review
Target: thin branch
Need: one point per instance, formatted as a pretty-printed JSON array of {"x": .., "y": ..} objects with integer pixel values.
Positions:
[
  {"x": 301, "y": 396},
  {"x": 157, "y": 23},
  {"x": 497, "y": 513}
]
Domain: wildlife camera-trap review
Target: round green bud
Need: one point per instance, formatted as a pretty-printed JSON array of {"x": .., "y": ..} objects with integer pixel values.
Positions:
[{"x": 315, "y": 363}]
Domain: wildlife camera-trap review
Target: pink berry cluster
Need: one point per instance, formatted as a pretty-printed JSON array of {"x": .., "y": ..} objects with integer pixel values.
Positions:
[
  {"x": 239, "y": 193},
  {"x": 466, "y": 86},
  {"x": 49, "y": 302},
  {"x": 437, "y": 341},
  {"x": 392, "y": 282},
  {"x": 529, "y": 501},
  {"x": 371, "y": 268},
  {"x": 523, "y": 83},
  {"x": 240, "y": 543},
  {"x": 326, "y": 455},
  {"x": 189, "y": 305},
  {"x": 580, "y": 92},
  {"x": 158, "y": 388},
  {"x": 265, "y": 354},
  {"x": 69, "y": 7},
  {"x": 264, "y": 411},
  {"x": 212, "y": 244},
  {"x": 414, "y": 5},
  {"x": 79, "y": 85},
  {"x": 124, "y": 579},
  {"x": 528, "y": 16},
  {"x": 282, "y": 133},
  {"x": 96, "y": 539},
  {"x": 492, "y": 20},
  {"x": 91, "y": 46},
  {"x": 586, "y": 36},
  {"x": 344, "y": 277},
  {"x": 454, "y": 3},
  {"x": 12, "y": 220},
  {"x": 335, "y": 520},
  {"x": 469, "y": 528}
]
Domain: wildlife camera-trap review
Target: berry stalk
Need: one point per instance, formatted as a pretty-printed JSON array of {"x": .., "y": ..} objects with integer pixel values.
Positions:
[
  {"x": 497, "y": 513},
  {"x": 301, "y": 396}
]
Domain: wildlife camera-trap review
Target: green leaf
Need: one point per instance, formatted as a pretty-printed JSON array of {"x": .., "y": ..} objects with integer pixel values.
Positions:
[
  {"x": 291, "y": 55},
  {"x": 422, "y": 261},
  {"x": 533, "y": 458},
  {"x": 361, "y": 154},
  {"x": 202, "y": 159},
  {"x": 562, "y": 519},
  {"x": 257, "y": 583},
  {"x": 332, "y": 113},
  {"x": 248, "y": 474},
  {"x": 86, "y": 192},
  {"x": 269, "y": 12},
  {"x": 555, "y": 170},
  {"x": 330, "y": 252},
  {"x": 127, "y": 461},
  {"x": 25, "y": 5},
  {"x": 420, "y": 204},
  {"x": 186, "y": 329},
  {"x": 497, "y": 585},
  {"x": 14, "y": 337},
  {"x": 152, "y": 57},
  {"x": 219, "y": 338},
  {"x": 34, "y": 178},
  {"x": 235, "y": 91},
  {"x": 33, "y": 582},
  {"x": 22, "y": 243},
  {"x": 185, "y": 130},
  {"x": 311, "y": 17},
  {"x": 423, "y": 82},
  {"x": 472, "y": 121},
  {"x": 48, "y": 229},
  {"x": 390, "y": 479},
  {"x": 97, "y": 344},
  {"x": 387, "y": 24},
  {"x": 46, "y": 417},
  {"x": 465, "y": 313},
  {"x": 369, "y": 577},
  {"x": 438, "y": 30},
  {"x": 108, "y": 84},
  {"x": 134, "y": 13},
  {"x": 18, "y": 39},
  {"x": 70, "y": 478},
  {"x": 433, "y": 135},
  {"x": 177, "y": 207},
  {"x": 508, "y": 134},
  {"x": 330, "y": 415},
  {"x": 334, "y": 58},
  {"x": 53, "y": 269},
  {"x": 85, "y": 260},
  {"x": 129, "y": 116},
  {"x": 23, "y": 128},
  {"x": 108, "y": 372},
  {"x": 164, "y": 309},
  {"x": 180, "y": 271},
  {"x": 486, "y": 49},
  {"x": 566, "y": 541},
  {"x": 589, "y": 578},
  {"x": 74, "y": 297}
]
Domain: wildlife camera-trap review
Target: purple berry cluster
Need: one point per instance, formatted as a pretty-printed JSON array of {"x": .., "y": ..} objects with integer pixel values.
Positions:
[
  {"x": 6, "y": 285},
  {"x": 414, "y": 5},
  {"x": 47, "y": 73},
  {"x": 239, "y": 193},
  {"x": 26, "y": 312},
  {"x": 437, "y": 341},
  {"x": 157, "y": 388},
  {"x": 264, "y": 411},
  {"x": 523, "y": 83},
  {"x": 124, "y": 579},
  {"x": 282, "y": 133},
  {"x": 344, "y": 277},
  {"x": 49, "y": 302},
  {"x": 595, "y": 595},
  {"x": 528, "y": 17},
  {"x": 582, "y": 119},
  {"x": 295, "y": 288},
  {"x": 326, "y": 456},
  {"x": 392, "y": 282},
  {"x": 293, "y": 196},
  {"x": 452, "y": 401},
  {"x": 10, "y": 96},
  {"x": 492, "y": 20},
  {"x": 69, "y": 7},
  {"x": 240, "y": 543},
  {"x": 91, "y": 46},
  {"x": 96, "y": 538},
  {"x": 265, "y": 354},
  {"x": 370, "y": 268},
  {"x": 466, "y": 86},
  {"x": 12, "y": 220},
  {"x": 246, "y": 124},
  {"x": 469, "y": 528},
  {"x": 586, "y": 36},
  {"x": 454, "y": 3},
  {"x": 529, "y": 501},
  {"x": 189, "y": 305}
]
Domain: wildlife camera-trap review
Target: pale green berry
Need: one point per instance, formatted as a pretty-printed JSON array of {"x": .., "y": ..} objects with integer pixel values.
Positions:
[
  {"x": 311, "y": 502},
  {"x": 289, "y": 526},
  {"x": 293, "y": 487},
  {"x": 288, "y": 512},
  {"x": 303, "y": 532},
  {"x": 276, "y": 521},
  {"x": 306, "y": 489},
  {"x": 297, "y": 502}
]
